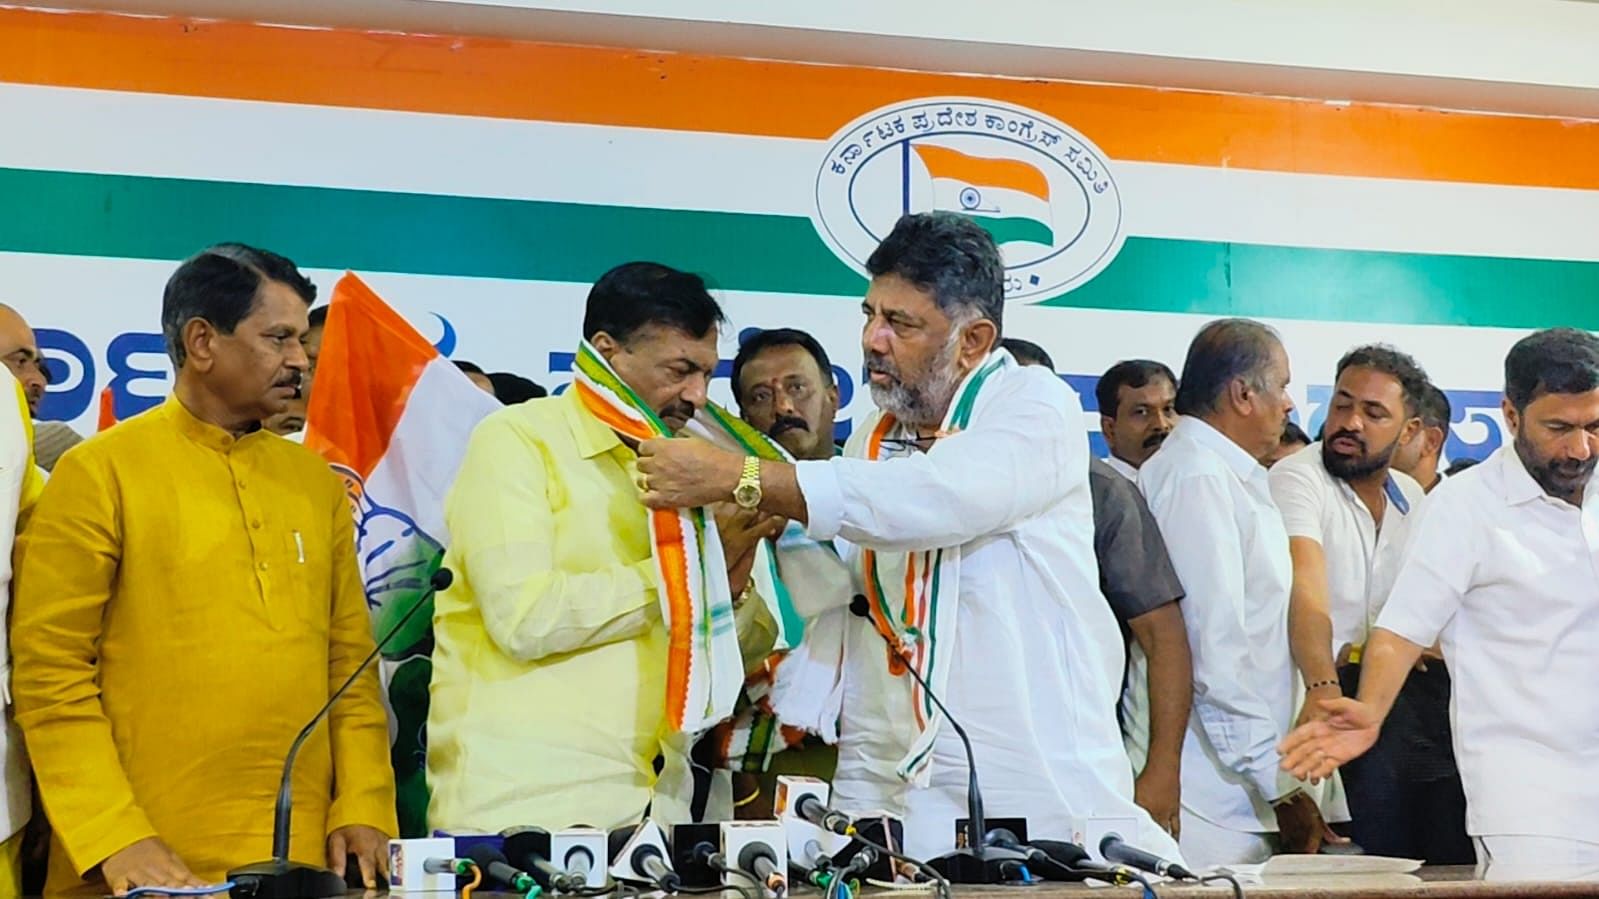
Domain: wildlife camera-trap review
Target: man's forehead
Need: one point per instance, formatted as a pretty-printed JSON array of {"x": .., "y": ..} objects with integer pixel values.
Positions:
[
  {"x": 890, "y": 292},
  {"x": 782, "y": 361},
  {"x": 1156, "y": 386},
  {"x": 666, "y": 342}
]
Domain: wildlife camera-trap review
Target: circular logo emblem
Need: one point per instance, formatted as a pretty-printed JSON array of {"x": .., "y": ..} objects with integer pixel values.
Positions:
[{"x": 1044, "y": 191}]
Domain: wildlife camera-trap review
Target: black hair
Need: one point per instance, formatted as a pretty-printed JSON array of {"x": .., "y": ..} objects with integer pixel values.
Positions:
[
  {"x": 1223, "y": 351},
  {"x": 222, "y": 285},
  {"x": 1402, "y": 367},
  {"x": 511, "y": 389},
  {"x": 1555, "y": 360},
  {"x": 951, "y": 256},
  {"x": 761, "y": 341},
  {"x": 1133, "y": 373},
  {"x": 636, "y": 294}
]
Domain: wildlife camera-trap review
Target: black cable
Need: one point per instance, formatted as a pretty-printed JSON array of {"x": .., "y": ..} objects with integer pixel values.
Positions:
[
  {"x": 944, "y": 889},
  {"x": 743, "y": 891},
  {"x": 1238, "y": 888}
]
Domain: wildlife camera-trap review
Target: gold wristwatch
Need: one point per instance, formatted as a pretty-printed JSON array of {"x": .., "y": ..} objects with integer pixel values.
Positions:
[{"x": 748, "y": 492}]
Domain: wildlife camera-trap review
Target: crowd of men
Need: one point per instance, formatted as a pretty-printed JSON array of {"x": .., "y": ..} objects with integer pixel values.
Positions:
[{"x": 1247, "y": 641}]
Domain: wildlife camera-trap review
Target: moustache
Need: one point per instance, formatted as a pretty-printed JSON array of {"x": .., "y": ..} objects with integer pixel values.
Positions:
[
  {"x": 293, "y": 379},
  {"x": 684, "y": 411},
  {"x": 787, "y": 423},
  {"x": 1349, "y": 435},
  {"x": 881, "y": 365},
  {"x": 1155, "y": 439}
]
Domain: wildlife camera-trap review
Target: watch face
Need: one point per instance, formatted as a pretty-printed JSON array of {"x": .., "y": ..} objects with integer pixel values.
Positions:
[{"x": 747, "y": 495}]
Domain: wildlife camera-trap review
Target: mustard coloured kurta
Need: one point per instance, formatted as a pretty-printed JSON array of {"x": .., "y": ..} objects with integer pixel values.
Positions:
[{"x": 185, "y": 602}]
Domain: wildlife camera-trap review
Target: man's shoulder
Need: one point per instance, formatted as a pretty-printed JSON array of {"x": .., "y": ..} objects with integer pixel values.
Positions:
[{"x": 1303, "y": 469}]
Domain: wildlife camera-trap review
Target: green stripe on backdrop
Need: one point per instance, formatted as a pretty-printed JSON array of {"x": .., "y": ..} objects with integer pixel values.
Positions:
[{"x": 161, "y": 218}]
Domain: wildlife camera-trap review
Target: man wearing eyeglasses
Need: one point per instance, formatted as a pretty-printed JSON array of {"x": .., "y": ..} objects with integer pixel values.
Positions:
[{"x": 19, "y": 349}]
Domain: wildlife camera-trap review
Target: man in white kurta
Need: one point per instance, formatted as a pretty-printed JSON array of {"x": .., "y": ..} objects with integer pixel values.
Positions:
[
  {"x": 1504, "y": 570},
  {"x": 1037, "y": 662},
  {"x": 1209, "y": 492},
  {"x": 978, "y": 523}
]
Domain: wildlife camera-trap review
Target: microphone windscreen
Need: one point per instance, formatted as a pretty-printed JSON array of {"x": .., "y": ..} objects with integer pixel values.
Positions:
[
  {"x": 617, "y": 841},
  {"x": 441, "y": 580},
  {"x": 1062, "y": 852},
  {"x": 523, "y": 843},
  {"x": 858, "y": 607},
  {"x": 484, "y": 855}
]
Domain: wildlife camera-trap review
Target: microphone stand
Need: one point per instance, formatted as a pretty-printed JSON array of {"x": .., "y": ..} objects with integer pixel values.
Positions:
[
  {"x": 279, "y": 878},
  {"x": 976, "y": 862}
]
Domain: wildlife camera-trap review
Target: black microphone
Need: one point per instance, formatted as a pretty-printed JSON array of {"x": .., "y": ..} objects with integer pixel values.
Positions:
[
  {"x": 862, "y": 860},
  {"x": 530, "y": 846},
  {"x": 975, "y": 825},
  {"x": 640, "y": 851},
  {"x": 280, "y": 878},
  {"x": 1074, "y": 861},
  {"x": 494, "y": 866},
  {"x": 1116, "y": 849},
  {"x": 759, "y": 860},
  {"x": 811, "y": 809}
]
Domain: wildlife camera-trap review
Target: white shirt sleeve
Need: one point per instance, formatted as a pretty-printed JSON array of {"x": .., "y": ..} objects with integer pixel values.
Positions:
[
  {"x": 1437, "y": 572},
  {"x": 1202, "y": 538},
  {"x": 1025, "y": 453},
  {"x": 1300, "y": 500}
]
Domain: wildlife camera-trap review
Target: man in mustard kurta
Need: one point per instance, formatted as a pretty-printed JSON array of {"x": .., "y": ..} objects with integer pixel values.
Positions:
[
  {"x": 187, "y": 598},
  {"x": 551, "y": 663},
  {"x": 20, "y": 484}
]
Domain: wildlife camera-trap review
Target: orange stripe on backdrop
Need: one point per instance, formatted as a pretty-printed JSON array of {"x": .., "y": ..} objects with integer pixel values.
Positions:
[
  {"x": 522, "y": 80},
  {"x": 371, "y": 359},
  {"x": 942, "y": 162}
]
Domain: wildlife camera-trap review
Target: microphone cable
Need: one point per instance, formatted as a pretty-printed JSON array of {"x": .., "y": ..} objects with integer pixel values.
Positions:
[
  {"x": 941, "y": 884},
  {"x": 1238, "y": 888}
]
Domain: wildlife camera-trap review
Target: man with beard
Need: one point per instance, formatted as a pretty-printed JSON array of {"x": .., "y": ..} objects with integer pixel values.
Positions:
[
  {"x": 1136, "y": 576},
  {"x": 1501, "y": 568},
  {"x": 1210, "y": 495},
  {"x": 1136, "y": 411},
  {"x": 1418, "y": 456},
  {"x": 626, "y": 633},
  {"x": 1349, "y": 518},
  {"x": 967, "y": 508}
]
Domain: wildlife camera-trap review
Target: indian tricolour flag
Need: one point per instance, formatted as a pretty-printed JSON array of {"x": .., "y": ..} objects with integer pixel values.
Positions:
[
  {"x": 1008, "y": 197},
  {"x": 392, "y": 416}
]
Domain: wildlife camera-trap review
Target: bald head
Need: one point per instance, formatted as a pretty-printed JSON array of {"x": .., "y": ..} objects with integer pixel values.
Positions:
[{"x": 20, "y": 353}]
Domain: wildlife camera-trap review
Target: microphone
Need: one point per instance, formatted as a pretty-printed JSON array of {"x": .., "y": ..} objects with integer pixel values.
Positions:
[
  {"x": 640, "y": 854},
  {"x": 494, "y": 866},
  {"x": 1115, "y": 849},
  {"x": 863, "y": 860},
  {"x": 1075, "y": 862},
  {"x": 759, "y": 860},
  {"x": 955, "y": 862},
  {"x": 811, "y": 809},
  {"x": 448, "y": 865},
  {"x": 280, "y": 878},
  {"x": 530, "y": 846}
]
